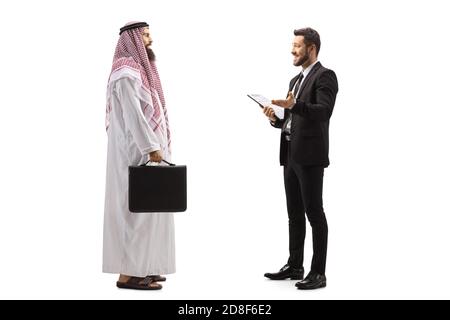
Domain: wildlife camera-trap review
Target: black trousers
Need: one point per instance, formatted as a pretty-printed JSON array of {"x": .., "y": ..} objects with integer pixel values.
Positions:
[{"x": 303, "y": 185}]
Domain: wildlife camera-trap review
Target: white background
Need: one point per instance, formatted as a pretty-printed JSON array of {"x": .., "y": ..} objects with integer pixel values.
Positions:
[{"x": 386, "y": 191}]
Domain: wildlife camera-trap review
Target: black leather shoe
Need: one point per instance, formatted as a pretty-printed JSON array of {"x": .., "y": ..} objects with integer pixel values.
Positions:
[
  {"x": 313, "y": 280},
  {"x": 286, "y": 272}
]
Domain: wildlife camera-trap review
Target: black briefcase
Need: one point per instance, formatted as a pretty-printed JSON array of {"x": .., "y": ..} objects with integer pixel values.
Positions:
[{"x": 157, "y": 188}]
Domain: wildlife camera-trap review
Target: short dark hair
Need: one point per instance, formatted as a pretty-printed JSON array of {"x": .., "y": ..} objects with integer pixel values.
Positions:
[{"x": 310, "y": 35}]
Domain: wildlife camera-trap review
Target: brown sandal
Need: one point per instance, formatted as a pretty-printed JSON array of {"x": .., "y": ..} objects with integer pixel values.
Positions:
[
  {"x": 137, "y": 283},
  {"x": 158, "y": 278}
]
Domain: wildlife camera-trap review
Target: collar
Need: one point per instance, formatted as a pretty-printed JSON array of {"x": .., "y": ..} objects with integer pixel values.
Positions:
[{"x": 308, "y": 70}]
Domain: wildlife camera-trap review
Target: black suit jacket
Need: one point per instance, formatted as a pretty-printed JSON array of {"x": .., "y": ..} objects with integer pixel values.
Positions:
[{"x": 310, "y": 118}]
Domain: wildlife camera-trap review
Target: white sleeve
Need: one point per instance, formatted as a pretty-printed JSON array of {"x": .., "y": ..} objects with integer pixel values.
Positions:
[{"x": 134, "y": 118}]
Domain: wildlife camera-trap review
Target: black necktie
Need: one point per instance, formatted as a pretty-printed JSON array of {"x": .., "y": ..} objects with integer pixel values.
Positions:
[
  {"x": 287, "y": 124},
  {"x": 297, "y": 85}
]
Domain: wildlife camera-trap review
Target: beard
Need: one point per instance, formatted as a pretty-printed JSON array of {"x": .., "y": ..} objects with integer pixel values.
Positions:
[
  {"x": 302, "y": 60},
  {"x": 151, "y": 55}
]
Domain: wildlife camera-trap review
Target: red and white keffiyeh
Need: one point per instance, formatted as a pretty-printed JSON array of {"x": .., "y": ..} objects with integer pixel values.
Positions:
[{"x": 131, "y": 60}]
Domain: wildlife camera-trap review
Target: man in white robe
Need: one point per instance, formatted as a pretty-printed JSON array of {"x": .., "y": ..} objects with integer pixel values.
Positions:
[{"x": 138, "y": 246}]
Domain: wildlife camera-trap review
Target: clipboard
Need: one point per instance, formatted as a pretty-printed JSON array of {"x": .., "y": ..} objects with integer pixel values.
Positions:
[
  {"x": 260, "y": 100},
  {"x": 263, "y": 101}
]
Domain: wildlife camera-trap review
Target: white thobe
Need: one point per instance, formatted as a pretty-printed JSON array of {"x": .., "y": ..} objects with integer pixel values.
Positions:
[{"x": 134, "y": 244}]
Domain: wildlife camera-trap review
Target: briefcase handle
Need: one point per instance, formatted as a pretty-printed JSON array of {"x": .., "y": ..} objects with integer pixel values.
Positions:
[{"x": 170, "y": 164}]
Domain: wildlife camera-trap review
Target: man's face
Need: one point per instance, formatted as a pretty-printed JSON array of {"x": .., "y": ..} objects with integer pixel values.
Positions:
[
  {"x": 300, "y": 51},
  {"x": 146, "y": 38}
]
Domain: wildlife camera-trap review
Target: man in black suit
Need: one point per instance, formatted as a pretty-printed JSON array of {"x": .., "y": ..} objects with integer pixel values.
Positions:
[{"x": 304, "y": 155}]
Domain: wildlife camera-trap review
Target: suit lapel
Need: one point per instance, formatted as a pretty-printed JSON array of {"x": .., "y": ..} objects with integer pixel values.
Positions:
[
  {"x": 293, "y": 82},
  {"x": 305, "y": 82},
  {"x": 308, "y": 77}
]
